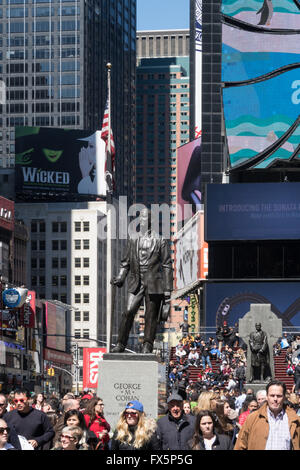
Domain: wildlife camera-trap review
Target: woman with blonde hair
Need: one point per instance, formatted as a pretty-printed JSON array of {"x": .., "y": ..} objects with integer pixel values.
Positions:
[
  {"x": 134, "y": 431},
  {"x": 206, "y": 401}
]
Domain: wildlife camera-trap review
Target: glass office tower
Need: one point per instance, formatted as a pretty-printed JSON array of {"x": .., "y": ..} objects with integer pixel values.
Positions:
[{"x": 53, "y": 57}]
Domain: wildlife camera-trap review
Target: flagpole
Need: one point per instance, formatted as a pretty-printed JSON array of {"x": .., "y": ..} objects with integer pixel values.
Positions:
[{"x": 109, "y": 201}]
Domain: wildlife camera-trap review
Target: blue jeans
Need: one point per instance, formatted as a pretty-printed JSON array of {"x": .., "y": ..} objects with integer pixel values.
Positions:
[{"x": 205, "y": 360}]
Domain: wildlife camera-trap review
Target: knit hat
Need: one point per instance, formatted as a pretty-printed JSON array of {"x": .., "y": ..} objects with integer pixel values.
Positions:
[
  {"x": 135, "y": 405},
  {"x": 174, "y": 396}
]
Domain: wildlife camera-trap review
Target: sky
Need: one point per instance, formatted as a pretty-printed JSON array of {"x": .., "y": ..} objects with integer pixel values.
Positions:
[{"x": 163, "y": 14}]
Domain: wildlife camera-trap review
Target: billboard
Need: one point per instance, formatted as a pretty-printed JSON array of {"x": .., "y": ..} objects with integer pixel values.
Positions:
[
  {"x": 50, "y": 160},
  {"x": 198, "y": 67},
  {"x": 191, "y": 253},
  {"x": 260, "y": 74},
  {"x": 7, "y": 213},
  {"x": 230, "y": 301},
  {"x": 252, "y": 211},
  {"x": 91, "y": 358},
  {"x": 188, "y": 179},
  {"x": 55, "y": 326}
]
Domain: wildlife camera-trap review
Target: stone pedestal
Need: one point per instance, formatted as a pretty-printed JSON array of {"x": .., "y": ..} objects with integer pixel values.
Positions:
[{"x": 125, "y": 377}]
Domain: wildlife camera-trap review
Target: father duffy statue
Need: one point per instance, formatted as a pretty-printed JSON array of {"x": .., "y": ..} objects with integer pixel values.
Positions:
[{"x": 148, "y": 263}]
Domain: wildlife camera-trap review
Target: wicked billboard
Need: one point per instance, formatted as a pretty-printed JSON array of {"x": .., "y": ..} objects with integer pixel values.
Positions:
[{"x": 50, "y": 160}]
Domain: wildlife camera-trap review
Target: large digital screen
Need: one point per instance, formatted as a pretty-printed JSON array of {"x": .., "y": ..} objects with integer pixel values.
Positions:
[
  {"x": 189, "y": 197},
  {"x": 260, "y": 74},
  {"x": 50, "y": 160},
  {"x": 230, "y": 301},
  {"x": 252, "y": 211}
]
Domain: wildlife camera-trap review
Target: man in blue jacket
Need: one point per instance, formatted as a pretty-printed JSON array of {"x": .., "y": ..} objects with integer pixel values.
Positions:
[{"x": 176, "y": 428}]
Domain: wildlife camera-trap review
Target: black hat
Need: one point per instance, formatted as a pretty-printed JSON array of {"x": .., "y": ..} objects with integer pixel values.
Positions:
[{"x": 174, "y": 396}]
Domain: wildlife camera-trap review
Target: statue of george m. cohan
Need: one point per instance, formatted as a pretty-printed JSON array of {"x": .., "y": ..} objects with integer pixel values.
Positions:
[{"x": 148, "y": 264}]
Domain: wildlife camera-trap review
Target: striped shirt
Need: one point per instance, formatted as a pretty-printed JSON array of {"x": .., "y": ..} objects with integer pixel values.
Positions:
[{"x": 279, "y": 437}]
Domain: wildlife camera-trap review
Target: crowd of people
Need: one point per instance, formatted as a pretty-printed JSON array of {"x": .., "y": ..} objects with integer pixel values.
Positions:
[
  {"x": 229, "y": 353},
  {"x": 213, "y": 412}
]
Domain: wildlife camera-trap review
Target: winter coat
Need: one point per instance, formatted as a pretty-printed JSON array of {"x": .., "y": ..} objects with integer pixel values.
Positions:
[
  {"x": 174, "y": 434},
  {"x": 222, "y": 442},
  {"x": 255, "y": 431},
  {"x": 151, "y": 445}
]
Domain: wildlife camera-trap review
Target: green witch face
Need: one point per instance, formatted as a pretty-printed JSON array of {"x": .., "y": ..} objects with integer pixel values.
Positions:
[{"x": 52, "y": 155}]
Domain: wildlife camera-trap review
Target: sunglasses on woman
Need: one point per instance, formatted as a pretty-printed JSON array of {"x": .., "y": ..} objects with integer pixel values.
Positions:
[
  {"x": 65, "y": 436},
  {"x": 134, "y": 414}
]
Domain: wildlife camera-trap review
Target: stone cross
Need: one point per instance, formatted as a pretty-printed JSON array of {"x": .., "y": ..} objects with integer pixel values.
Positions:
[{"x": 270, "y": 324}]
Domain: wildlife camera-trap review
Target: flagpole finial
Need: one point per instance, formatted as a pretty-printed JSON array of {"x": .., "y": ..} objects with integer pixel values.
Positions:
[{"x": 108, "y": 65}]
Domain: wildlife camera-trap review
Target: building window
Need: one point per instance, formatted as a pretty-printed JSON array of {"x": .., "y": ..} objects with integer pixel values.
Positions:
[
  {"x": 42, "y": 245},
  {"x": 77, "y": 298},
  {"x": 86, "y": 262},
  {"x": 77, "y": 263},
  {"x": 42, "y": 263},
  {"x": 77, "y": 280},
  {"x": 86, "y": 280},
  {"x": 63, "y": 262},
  {"x": 77, "y": 333},
  {"x": 55, "y": 245},
  {"x": 63, "y": 280},
  {"x": 63, "y": 244},
  {"x": 86, "y": 244},
  {"x": 77, "y": 226},
  {"x": 77, "y": 316},
  {"x": 54, "y": 226},
  {"x": 54, "y": 280},
  {"x": 54, "y": 263},
  {"x": 63, "y": 298},
  {"x": 86, "y": 316},
  {"x": 86, "y": 298},
  {"x": 77, "y": 244},
  {"x": 33, "y": 263},
  {"x": 86, "y": 334},
  {"x": 33, "y": 245},
  {"x": 86, "y": 226}
]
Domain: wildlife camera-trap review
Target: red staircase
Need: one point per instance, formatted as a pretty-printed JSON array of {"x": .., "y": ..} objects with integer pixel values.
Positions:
[{"x": 279, "y": 363}]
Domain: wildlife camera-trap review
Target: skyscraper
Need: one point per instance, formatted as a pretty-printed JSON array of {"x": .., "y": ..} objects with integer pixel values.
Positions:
[{"x": 53, "y": 63}]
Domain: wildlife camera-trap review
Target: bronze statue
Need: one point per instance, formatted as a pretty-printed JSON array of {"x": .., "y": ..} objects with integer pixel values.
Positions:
[
  {"x": 148, "y": 264},
  {"x": 259, "y": 354}
]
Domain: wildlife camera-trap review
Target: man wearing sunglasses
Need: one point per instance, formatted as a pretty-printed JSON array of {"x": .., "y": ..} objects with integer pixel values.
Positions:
[{"x": 33, "y": 424}]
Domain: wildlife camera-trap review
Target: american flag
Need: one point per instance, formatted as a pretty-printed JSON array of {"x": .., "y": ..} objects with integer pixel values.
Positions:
[{"x": 104, "y": 136}]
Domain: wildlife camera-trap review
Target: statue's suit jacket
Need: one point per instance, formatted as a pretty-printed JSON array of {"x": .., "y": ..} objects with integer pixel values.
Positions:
[{"x": 159, "y": 277}]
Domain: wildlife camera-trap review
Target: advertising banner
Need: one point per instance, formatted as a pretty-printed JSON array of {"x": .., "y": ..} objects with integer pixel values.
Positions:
[
  {"x": 188, "y": 180},
  {"x": 260, "y": 73},
  {"x": 27, "y": 312},
  {"x": 252, "y": 211},
  {"x": 193, "y": 314},
  {"x": 91, "y": 358},
  {"x": 7, "y": 213},
  {"x": 230, "y": 301},
  {"x": 50, "y": 160},
  {"x": 198, "y": 68},
  {"x": 190, "y": 252},
  {"x": 56, "y": 326}
]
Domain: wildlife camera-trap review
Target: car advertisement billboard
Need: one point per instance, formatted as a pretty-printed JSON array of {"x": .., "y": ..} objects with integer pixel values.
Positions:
[
  {"x": 188, "y": 180},
  {"x": 50, "y": 160},
  {"x": 252, "y": 211},
  {"x": 91, "y": 358},
  {"x": 261, "y": 86},
  {"x": 230, "y": 301}
]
